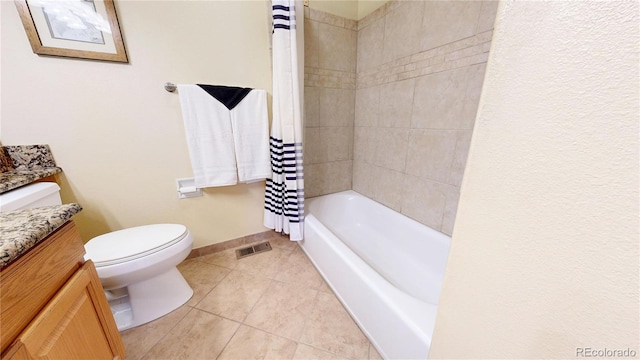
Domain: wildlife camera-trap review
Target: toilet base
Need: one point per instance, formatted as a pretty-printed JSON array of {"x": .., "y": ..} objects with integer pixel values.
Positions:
[{"x": 147, "y": 300}]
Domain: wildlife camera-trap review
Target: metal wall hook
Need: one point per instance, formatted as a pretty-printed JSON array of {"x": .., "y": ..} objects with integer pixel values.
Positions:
[{"x": 170, "y": 87}]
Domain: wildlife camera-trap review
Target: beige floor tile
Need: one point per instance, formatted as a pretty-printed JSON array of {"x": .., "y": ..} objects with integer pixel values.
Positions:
[
  {"x": 297, "y": 269},
  {"x": 199, "y": 335},
  {"x": 283, "y": 242},
  {"x": 324, "y": 287},
  {"x": 202, "y": 277},
  {"x": 298, "y": 307},
  {"x": 330, "y": 328},
  {"x": 250, "y": 343},
  {"x": 234, "y": 296},
  {"x": 139, "y": 340},
  {"x": 283, "y": 309},
  {"x": 306, "y": 352},
  {"x": 373, "y": 353},
  {"x": 264, "y": 264},
  {"x": 225, "y": 258}
]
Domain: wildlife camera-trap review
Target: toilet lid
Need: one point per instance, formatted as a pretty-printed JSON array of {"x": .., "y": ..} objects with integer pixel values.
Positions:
[{"x": 129, "y": 244}]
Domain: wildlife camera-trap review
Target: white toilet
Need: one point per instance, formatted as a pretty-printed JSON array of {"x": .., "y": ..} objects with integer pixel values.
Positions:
[{"x": 136, "y": 266}]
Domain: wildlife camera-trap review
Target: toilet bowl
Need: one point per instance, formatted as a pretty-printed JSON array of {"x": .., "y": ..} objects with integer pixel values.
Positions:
[
  {"x": 137, "y": 269},
  {"x": 136, "y": 266}
]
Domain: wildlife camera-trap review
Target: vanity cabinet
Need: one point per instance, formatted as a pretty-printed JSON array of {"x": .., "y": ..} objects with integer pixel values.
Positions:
[{"x": 53, "y": 305}]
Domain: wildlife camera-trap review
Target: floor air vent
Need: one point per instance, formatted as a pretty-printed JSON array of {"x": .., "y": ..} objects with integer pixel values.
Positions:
[{"x": 252, "y": 250}]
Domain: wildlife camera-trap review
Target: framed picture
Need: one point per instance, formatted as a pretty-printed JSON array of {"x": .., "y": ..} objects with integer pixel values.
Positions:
[{"x": 86, "y": 29}]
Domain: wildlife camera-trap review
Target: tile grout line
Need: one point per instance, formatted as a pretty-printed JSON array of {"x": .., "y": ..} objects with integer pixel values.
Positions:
[
  {"x": 210, "y": 290},
  {"x": 166, "y": 334},
  {"x": 230, "y": 338},
  {"x": 306, "y": 319}
]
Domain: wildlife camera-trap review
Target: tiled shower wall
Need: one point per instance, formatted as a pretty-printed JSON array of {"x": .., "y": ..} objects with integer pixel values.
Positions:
[
  {"x": 420, "y": 68},
  {"x": 403, "y": 136},
  {"x": 330, "y": 83}
]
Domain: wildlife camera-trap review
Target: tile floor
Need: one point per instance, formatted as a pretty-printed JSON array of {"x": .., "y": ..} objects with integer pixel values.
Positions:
[{"x": 272, "y": 305}]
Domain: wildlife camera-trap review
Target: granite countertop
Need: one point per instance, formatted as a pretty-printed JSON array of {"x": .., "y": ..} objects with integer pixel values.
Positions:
[
  {"x": 23, "y": 164},
  {"x": 12, "y": 179},
  {"x": 22, "y": 229}
]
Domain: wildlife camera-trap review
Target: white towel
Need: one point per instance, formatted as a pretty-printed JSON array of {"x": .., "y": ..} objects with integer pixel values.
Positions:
[
  {"x": 250, "y": 124},
  {"x": 226, "y": 146}
]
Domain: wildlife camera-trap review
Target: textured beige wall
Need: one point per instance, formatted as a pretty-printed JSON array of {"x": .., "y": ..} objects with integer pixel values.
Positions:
[
  {"x": 117, "y": 133},
  {"x": 366, "y": 7},
  {"x": 544, "y": 257},
  {"x": 330, "y": 81},
  {"x": 342, "y": 8},
  {"x": 420, "y": 71},
  {"x": 349, "y": 9}
]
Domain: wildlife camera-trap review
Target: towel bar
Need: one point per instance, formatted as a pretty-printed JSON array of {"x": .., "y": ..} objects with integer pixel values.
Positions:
[{"x": 170, "y": 87}]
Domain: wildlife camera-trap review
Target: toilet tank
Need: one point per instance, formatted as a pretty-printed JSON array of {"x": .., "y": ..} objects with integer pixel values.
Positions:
[{"x": 31, "y": 196}]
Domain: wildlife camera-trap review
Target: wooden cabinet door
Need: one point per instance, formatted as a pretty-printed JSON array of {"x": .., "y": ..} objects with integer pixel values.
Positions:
[{"x": 76, "y": 324}]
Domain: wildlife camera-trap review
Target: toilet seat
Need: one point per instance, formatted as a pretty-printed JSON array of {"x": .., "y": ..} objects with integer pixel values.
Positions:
[{"x": 133, "y": 243}]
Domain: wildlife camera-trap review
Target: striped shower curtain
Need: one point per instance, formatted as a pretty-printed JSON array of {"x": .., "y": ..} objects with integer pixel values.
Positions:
[{"x": 284, "y": 194}]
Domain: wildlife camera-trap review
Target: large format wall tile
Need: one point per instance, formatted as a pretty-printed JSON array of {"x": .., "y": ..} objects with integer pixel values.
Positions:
[
  {"x": 311, "y": 106},
  {"x": 450, "y": 209},
  {"x": 370, "y": 46},
  {"x": 330, "y": 100},
  {"x": 448, "y": 99},
  {"x": 460, "y": 157},
  {"x": 337, "y": 107},
  {"x": 337, "y": 48},
  {"x": 402, "y": 30},
  {"x": 474, "y": 79},
  {"x": 424, "y": 200},
  {"x": 448, "y": 21},
  {"x": 367, "y": 106},
  {"x": 337, "y": 143},
  {"x": 327, "y": 178},
  {"x": 396, "y": 101},
  {"x": 427, "y": 86},
  {"x": 487, "y": 15},
  {"x": 420, "y": 67},
  {"x": 388, "y": 186},
  {"x": 363, "y": 177},
  {"x": 311, "y": 43},
  {"x": 364, "y": 143},
  {"x": 391, "y": 148},
  {"x": 441, "y": 100},
  {"x": 313, "y": 153},
  {"x": 431, "y": 154}
]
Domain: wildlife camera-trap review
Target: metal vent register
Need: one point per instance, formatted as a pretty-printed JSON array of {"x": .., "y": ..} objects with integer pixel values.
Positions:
[{"x": 252, "y": 250}]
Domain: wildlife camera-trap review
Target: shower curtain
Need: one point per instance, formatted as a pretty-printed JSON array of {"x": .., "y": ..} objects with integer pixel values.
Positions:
[{"x": 284, "y": 194}]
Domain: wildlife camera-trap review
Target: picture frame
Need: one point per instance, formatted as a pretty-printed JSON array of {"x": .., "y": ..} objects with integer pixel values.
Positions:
[{"x": 86, "y": 29}]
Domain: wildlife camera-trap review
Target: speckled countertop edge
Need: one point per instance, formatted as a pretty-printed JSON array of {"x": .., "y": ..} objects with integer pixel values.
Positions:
[
  {"x": 22, "y": 229},
  {"x": 13, "y": 179},
  {"x": 24, "y": 164}
]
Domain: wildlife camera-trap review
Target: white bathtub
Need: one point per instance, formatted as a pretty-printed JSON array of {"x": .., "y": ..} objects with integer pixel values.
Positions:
[{"x": 385, "y": 268}]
